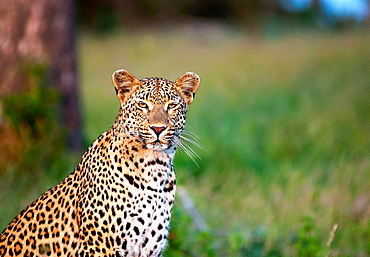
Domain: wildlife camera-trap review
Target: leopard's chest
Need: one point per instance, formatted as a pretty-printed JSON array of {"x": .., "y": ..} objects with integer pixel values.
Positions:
[
  {"x": 146, "y": 218},
  {"x": 133, "y": 206}
]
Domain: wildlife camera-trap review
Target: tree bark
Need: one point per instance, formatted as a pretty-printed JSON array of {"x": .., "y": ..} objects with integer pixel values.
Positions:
[{"x": 41, "y": 31}]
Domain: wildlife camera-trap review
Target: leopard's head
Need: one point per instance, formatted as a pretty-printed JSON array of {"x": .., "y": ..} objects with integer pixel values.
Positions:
[{"x": 154, "y": 109}]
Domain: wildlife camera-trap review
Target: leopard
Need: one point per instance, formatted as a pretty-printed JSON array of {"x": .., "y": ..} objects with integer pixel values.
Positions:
[{"x": 119, "y": 198}]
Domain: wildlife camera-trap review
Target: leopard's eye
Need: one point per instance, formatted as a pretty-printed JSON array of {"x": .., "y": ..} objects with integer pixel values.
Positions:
[
  {"x": 171, "y": 105},
  {"x": 142, "y": 105}
]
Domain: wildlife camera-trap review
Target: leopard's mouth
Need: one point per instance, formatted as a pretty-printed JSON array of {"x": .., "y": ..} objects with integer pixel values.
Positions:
[{"x": 159, "y": 142}]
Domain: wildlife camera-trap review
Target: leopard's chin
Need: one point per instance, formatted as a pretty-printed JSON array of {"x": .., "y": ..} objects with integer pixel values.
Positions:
[{"x": 157, "y": 146}]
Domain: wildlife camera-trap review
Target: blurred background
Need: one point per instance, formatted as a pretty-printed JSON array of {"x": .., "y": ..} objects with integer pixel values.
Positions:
[{"x": 282, "y": 114}]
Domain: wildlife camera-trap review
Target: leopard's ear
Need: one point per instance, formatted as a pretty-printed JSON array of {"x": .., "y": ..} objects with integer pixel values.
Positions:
[
  {"x": 187, "y": 86},
  {"x": 124, "y": 84}
]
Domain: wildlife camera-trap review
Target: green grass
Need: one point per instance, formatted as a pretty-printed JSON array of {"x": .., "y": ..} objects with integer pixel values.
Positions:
[
  {"x": 285, "y": 127},
  {"x": 284, "y": 124}
]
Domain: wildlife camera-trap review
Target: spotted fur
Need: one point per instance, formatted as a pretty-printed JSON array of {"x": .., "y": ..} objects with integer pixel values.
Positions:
[{"x": 118, "y": 200}]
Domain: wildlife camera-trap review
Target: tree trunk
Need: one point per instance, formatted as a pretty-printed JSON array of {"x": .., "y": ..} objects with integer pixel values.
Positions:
[{"x": 41, "y": 31}]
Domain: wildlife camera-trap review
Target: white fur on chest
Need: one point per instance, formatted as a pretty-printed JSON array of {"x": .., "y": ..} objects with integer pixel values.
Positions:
[{"x": 147, "y": 211}]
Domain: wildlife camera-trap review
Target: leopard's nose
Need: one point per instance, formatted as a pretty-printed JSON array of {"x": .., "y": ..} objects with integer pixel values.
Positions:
[{"x": 158, "y": 129}]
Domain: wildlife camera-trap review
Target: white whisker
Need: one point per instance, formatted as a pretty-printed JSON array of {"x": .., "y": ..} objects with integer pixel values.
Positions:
[
  {"x": 189, "y": 152},
  {"x": 194, "y": 142},
  {"x": 190, "y": 131},
  {"x": 184, "y": 140}
]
